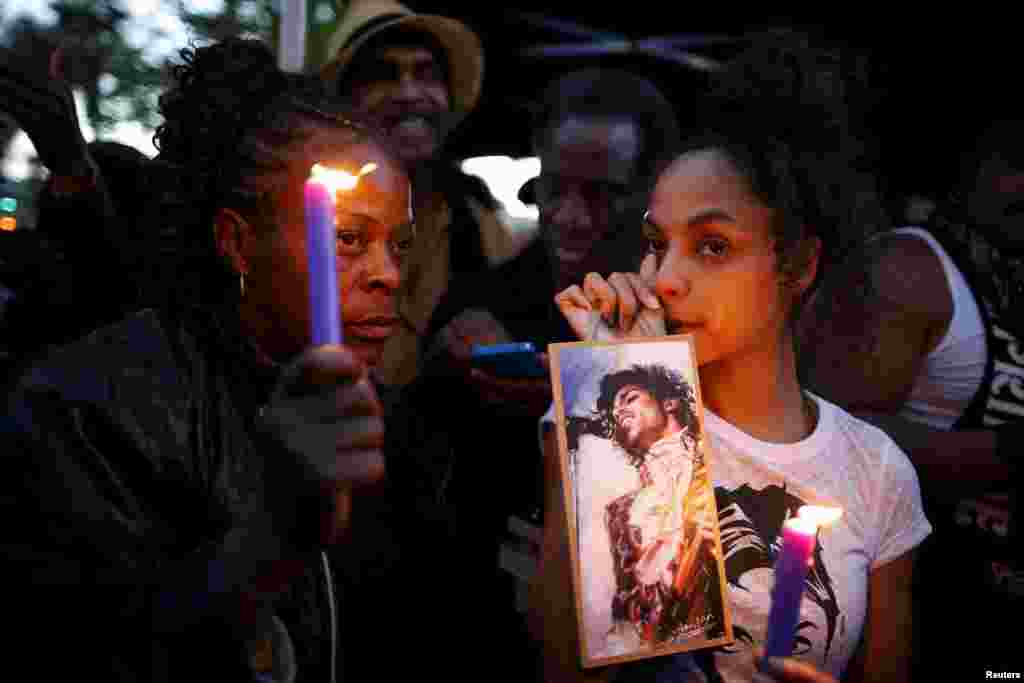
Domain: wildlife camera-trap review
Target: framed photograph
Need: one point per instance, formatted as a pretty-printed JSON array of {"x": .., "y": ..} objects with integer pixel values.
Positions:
[{"x": 640, "y": 506}]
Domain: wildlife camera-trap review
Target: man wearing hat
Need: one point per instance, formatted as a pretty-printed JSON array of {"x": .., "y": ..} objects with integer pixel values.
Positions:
[{"x": 416, "y": 76}]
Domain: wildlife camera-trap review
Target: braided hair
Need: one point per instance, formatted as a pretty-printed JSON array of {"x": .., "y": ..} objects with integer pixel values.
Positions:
[
  {"x": 234, "y": 125},
  {"x": 783, "y": 112}
]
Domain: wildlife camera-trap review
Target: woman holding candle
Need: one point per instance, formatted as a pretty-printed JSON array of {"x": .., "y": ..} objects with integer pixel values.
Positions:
[
  {"x": 177, "y": 476},
  {"x": 742, "y": 227}
]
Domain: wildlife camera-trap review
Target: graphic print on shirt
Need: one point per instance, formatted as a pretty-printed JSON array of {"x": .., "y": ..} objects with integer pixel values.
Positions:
[
  {"x": 1006, "y": 396},
  {"x": 982, "y": 524},
  {"x": 991, "y": 517},
  {"x": 751, "y": 526}
]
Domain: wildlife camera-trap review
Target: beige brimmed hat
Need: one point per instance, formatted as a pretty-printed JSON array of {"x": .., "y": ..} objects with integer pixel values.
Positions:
[{"x": 366, "y": 18}]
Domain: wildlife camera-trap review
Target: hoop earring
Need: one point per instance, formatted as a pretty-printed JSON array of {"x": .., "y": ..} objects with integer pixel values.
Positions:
[{"x": 241, "y": 284}]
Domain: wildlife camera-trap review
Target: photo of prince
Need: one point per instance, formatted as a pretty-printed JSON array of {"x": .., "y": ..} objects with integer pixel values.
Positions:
[{"x": 660, "y": 533}]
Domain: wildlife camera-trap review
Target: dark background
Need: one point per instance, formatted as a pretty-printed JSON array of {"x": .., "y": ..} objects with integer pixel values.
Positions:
[{"x": 937, "y": 75}]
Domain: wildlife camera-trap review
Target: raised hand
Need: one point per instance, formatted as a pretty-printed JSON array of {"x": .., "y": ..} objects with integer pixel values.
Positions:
[
  {"x": 529, "y": 396},
  {"x": 40, "y": 101},
  {"x": 622, "y": 306},
  {"x": 471, "y": 327},
  {"x": 508, "y": 396},
  {"x": 327, "y": 422}
]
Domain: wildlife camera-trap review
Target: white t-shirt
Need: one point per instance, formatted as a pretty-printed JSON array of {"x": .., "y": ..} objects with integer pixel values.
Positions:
[{"x": 845, "y": 462}]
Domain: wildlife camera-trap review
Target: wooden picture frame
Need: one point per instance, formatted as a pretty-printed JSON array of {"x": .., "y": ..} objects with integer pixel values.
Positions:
[{"x": 648, "y": 575}]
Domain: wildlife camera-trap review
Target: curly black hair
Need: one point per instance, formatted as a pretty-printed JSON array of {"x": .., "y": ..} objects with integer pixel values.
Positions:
[
  {"x": 663, "y": 383},
  {"x": 785, "y": 113},
  {"x": 234, "y": 124}
]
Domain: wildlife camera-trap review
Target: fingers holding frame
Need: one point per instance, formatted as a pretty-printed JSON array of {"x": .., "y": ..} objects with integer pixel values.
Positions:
[
  {"x": 577, "y": 309},
  {"x": 627, "y": 303},
  {"x": 601, "y": 295}
]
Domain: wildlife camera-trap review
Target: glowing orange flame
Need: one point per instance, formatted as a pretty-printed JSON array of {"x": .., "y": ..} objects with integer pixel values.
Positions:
[
  {"x": 337, "y": 180},
  {"x": 810, "y": 517},
  {"x": 821, "y": 515}
]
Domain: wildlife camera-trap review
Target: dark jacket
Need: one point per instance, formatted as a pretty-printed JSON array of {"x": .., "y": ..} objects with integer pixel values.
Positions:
[{"x": 127, "y": 456}]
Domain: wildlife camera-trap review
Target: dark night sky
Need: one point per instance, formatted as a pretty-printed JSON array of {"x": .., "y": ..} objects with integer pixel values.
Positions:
[{"x": 937, "y": 75}]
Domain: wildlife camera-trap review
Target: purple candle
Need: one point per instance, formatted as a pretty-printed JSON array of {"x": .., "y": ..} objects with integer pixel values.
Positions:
[
  {"x": 324, "y": 313},
  {"x": 320, "y": 194},
  {"x": 795, "y": 559}
]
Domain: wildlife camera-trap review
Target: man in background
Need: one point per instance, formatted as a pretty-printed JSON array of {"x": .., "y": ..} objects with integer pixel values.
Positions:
[{"x": 417, "y": 77}]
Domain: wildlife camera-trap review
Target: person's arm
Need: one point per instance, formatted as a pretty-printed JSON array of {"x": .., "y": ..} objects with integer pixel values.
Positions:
[
  {"x": 76, "y": 194},
  {"x": 451, "y": 357},
  {"x": 319, "y": 436},
  {"x": 40, "y": 101},
  {"x": 75, "y": 207},
  {"x": 552, "y": 610},
  {"x": 884, "y": 653},
  {"x": 865, "y": 353},
  {"x": 865, "y": 350},
  {"x": 478, "y": 310}
]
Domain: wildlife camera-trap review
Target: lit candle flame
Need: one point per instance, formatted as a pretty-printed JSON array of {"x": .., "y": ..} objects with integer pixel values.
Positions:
[
  {"x": 822, "y": 516},
  {"x": 810, "y": 517},
  {"x": 337, "y": 180}
]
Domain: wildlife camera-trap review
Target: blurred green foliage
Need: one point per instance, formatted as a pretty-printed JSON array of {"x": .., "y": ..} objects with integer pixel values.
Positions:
[{"x": 120, "y": 79}]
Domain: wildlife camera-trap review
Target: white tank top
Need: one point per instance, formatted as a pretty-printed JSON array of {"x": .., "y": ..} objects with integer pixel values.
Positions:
[{"x": 953, "y": 372}]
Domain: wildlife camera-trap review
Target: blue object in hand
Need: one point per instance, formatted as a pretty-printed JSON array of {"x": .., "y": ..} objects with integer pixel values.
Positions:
[{"x": 511, "y": 361}]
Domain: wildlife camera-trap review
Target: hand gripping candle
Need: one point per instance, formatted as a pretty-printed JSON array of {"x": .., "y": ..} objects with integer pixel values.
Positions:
[
  {"x": 799, "y": 535},
  {"x": 322, "y": 190}
]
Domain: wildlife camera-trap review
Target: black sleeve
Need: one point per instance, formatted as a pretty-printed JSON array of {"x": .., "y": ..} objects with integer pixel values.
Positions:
[{"x": 94, "y": 548}]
